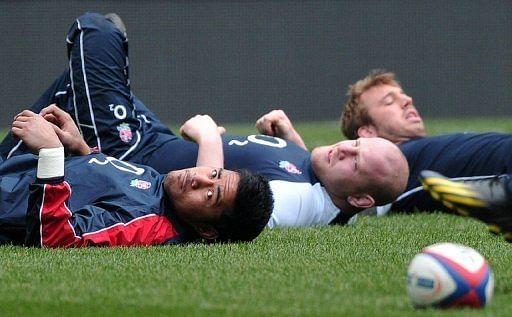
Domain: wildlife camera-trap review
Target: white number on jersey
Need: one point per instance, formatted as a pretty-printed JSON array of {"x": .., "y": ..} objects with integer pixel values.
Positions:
[
  {"x": 262, "y": 140},
  {"x": 119, "y": 111},
  {"x": 120, "y": 165}
]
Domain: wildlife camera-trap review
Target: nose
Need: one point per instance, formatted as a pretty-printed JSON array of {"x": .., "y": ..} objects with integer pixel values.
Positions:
[
  {"x": 201, "y": 181},
  {"x": 406, "y": 100},
  {"x": 347, "y": 150}
]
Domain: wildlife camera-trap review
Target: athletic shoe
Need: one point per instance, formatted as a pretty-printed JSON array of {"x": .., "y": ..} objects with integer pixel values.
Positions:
[
  {"x": 116, "y": 19},
  {"x": 483, "y": 199}
]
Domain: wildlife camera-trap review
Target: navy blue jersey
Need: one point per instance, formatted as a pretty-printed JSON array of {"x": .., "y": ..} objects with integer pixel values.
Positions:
[
  {"x": 459, "y": 155},
  {"x": 95, "y": 91},
  {"x": 103, "y": 201},
  {"x": 272, "y": 157},
  {"x": 299, "y": 198}
]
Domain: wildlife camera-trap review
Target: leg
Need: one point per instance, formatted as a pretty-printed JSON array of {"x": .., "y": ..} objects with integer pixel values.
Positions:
[
  {"x": 108, "y": 114},
  {"x": 103, "y": 102},
  {"x": 488, "y": 200}
]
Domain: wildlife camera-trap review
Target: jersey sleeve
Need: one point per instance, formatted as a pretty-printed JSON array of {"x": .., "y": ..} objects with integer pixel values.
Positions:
[
  {"x": 102, "y": 222},
  {"x": 300, "y": 205},
  {"x": 51, "y": 223}
]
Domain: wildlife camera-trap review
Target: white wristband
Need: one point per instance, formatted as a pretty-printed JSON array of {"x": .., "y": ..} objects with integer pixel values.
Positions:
[{"x": 50, "y": 163}]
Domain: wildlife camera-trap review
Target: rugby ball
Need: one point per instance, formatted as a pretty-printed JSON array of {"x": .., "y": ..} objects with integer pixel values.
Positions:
[{"x": 448, "y": 275}]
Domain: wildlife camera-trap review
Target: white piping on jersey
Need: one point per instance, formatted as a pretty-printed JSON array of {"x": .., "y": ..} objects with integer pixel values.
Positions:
[
  {"x": 383, "y": 210},
  {"x": 124, "y": 224},
  {"x": 86, "y": 85},
  {"x": 58, "y": 93},
  {"x": 73, "y": 89},
  {"x": 14, "y": 148},
  {"x": 143, "y": 116}
]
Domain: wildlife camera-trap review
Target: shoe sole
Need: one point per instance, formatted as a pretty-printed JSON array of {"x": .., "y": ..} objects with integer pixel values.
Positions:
[{"x": 457, "y": 197}]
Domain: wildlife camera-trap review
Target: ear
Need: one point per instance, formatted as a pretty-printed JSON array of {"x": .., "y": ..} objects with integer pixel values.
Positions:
[
  {"x": 206, "y": 231},
  {"x": 361, "y": 201},
  {"x": 366, "y": 131}
]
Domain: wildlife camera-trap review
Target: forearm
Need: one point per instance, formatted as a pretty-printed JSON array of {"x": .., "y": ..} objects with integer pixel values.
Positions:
[
  {"x": 210, "y": 151},
  {"x": 294, "y": 137}
]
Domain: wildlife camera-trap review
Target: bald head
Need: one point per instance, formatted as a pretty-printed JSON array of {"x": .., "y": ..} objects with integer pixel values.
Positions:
[{"x": 363, "y": 172}]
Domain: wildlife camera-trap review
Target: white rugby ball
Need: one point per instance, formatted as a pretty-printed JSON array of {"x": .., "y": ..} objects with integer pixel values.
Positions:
[{"x": 449, "y": 275}]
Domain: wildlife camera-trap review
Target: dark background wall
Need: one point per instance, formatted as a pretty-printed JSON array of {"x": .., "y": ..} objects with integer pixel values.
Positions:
[{"x": 238, "y": 59}]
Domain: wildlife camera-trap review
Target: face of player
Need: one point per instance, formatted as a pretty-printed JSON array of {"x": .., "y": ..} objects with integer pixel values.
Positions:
[
  {"x": 345, "y": 168},
  {"x": 200, "y": 194},
  {"x": 393, "y": 113}
]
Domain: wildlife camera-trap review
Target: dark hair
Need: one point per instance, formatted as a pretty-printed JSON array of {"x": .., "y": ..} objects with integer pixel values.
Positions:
[{"x": 251, "y": 212}]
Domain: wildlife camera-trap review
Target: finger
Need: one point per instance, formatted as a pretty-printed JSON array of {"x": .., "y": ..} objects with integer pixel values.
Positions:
[
  {"x": 48, "y": 109},
  {"x": 27, "y": 113},
  {"x": 21, "y": 118},
  {"x": 265, "y": 127},
  {"x": 57, "y": 112},
  {"x": 17, "y": 132},
  {"x": 21, "y": 121},
  {"x": 185, "y": 136},
  {"x": 221, "y": 130},
  {"x": 58, "y": 131},
  {"x": 24, "y": 113},
  {"x": 182, "y": 132},
  {"x": 50, "y": 117}
]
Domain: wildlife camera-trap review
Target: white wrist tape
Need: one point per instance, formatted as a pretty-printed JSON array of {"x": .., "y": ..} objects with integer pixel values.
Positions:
[{"x": 50, "y": 163}]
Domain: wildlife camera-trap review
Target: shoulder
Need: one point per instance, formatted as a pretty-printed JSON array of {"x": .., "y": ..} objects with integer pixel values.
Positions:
[{"x": 300, "y": 205}]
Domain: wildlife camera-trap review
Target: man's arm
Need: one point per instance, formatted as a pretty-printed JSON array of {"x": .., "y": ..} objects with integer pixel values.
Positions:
[
  {"x": 204, "y": 131},
  {"x": 51, "y": 223},
  {"x": 276, "y": 123}
]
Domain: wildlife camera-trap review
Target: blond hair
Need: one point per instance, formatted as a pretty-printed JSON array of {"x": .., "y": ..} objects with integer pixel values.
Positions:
[{"x": 355, "y": 114}]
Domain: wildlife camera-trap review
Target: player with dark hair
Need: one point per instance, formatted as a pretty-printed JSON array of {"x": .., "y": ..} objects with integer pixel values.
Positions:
[
  {"x": 330, "y": 184},
  {"x": 92, "y": 199}
]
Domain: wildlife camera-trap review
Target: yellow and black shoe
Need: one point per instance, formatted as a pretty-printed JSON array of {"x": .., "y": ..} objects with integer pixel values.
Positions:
[{"x": 484, "y": 199}]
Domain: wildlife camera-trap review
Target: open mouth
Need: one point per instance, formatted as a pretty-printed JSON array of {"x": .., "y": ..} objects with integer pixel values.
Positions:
[{"x": 411, "y": 115}]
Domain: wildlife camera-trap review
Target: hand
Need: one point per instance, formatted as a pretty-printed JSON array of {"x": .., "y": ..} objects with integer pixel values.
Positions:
[
  {"x": 276, "y": 123},
  {"x": 66, "y": 130},
  {"x": 205, "y": 132},
  {"x": 199, "y": 128},
  {"x": 34, "y": 131}
]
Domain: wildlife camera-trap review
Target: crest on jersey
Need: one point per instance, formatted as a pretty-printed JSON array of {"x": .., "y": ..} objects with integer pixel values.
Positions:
[
  {"x": 140, "y": 184},
  {"x": 289, "y": 167},
  {"x": 125, "y": 133}
]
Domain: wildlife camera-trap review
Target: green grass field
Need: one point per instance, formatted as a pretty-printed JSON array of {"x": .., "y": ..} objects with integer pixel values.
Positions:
[{"x": 355, "y": 270}]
